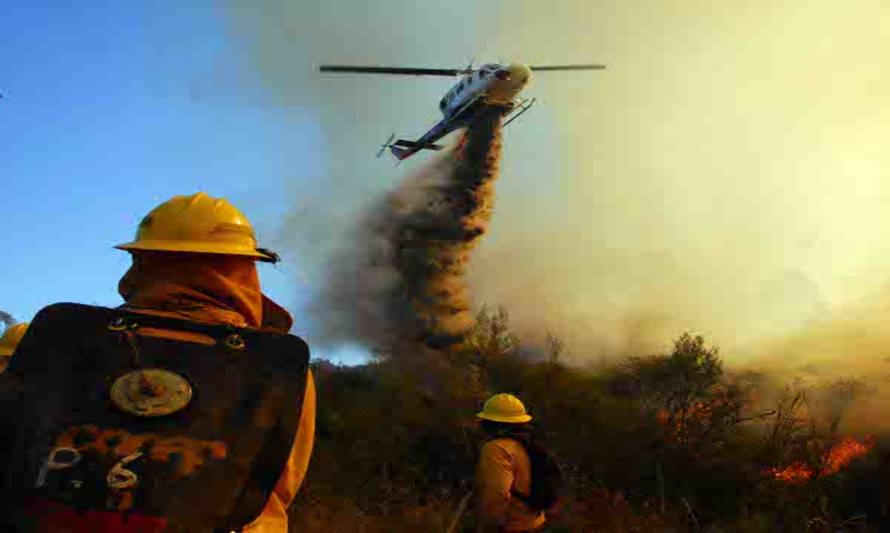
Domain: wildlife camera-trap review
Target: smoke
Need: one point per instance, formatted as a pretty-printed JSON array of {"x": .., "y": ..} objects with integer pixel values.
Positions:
[
  {"x": 726, "y": 174},
  {"x": 6, "y": 318},
  {"x": 400, "y": 278},
  {"x": 282, "y": 41},
  {"x": 844, "y": 355},
  {"x": 716, "y": 178}
]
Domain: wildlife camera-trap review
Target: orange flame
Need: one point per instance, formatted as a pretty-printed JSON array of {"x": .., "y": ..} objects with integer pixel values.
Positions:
[
  {"x": 833, "y": 461},
  {"x": 698, "y": 413},
  {"x": 793, "y": 474},
  {"x": 843, "y": 452}
]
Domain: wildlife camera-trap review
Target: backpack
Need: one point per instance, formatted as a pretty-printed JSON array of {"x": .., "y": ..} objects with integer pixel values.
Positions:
[{"x": 546, "y": 485}]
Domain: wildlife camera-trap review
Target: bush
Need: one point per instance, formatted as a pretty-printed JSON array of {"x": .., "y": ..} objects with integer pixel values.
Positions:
[{"x": 663, "y": 442}]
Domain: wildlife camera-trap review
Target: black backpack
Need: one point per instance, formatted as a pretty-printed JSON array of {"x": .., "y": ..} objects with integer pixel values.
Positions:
[{"x": 546, "y": 486}]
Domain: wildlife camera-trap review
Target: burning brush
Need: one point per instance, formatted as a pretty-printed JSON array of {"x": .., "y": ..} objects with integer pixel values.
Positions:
[{"x": 832, "y": 461}]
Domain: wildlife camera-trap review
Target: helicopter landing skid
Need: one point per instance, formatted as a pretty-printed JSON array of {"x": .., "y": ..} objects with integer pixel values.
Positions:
[{"x": 520, "y": 108}]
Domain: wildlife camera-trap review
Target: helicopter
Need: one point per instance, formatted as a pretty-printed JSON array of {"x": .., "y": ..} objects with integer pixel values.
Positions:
[{"x": 491, "y": 85}]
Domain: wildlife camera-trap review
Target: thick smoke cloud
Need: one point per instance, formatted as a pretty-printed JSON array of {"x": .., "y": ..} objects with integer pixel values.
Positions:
[
  {"x": 851, "y": 344},
  {"x": 400, "y": 278}
]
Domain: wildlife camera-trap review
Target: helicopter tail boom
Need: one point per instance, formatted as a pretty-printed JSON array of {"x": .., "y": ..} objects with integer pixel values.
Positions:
[{"x": 403, "y": 149}]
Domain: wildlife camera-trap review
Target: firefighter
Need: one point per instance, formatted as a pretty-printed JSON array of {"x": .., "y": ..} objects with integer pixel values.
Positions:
[
  {"x": 504, "y": 469},
  {"x": 188, "y": 408},
  {"x": 11, "y": 338}
]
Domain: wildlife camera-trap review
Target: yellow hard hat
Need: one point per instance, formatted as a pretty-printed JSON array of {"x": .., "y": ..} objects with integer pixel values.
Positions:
[
  {"x": 504, "y": 408},
  {"x": 11, "y": 338},
  {"x": 199, "y": 224}
]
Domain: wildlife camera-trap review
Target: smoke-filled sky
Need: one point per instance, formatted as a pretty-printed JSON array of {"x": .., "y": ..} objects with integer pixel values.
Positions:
[{"x": 724, "y": 175}]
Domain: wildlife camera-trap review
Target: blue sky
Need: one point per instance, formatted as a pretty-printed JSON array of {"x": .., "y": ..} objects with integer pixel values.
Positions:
[{"x": 111, "y": 108}]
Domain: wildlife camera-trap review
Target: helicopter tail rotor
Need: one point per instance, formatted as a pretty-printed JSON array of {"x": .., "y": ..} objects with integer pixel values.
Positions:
[{"x": 385, "y": 145}]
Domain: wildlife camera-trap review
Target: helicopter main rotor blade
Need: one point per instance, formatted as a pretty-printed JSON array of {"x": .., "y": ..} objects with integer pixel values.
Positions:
[
  {"x": 567, "y": 67},
  {"x": 410, "y": 71}
]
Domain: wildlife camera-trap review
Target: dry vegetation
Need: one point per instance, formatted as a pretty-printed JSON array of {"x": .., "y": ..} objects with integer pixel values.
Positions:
[{"x": 666, "y": 442}]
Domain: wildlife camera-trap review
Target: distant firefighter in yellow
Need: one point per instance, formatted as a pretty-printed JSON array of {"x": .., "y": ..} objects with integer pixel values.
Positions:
[
  {"x": 516, "y": 479},
  {"x": 11, "y": 338},
  {"x": 188, "y": 408}
]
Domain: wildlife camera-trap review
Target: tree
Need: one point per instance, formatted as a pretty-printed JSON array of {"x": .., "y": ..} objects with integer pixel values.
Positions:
[
  {"x": 837, "y": 397},
  {"x": 555, "y": 347},
  {"x": 487, "y": 345},
  {"x": 673, "y": 385},
  {"x": 490, "y": 338},
  {"x": 688, "y": 393},
  {"x": 793, "y": 425}
]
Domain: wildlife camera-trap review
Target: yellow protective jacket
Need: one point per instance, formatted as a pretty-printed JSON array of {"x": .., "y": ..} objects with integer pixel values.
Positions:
[
  {"x": 504, "y": 465},
  {"x": 222, "y": 290}
]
